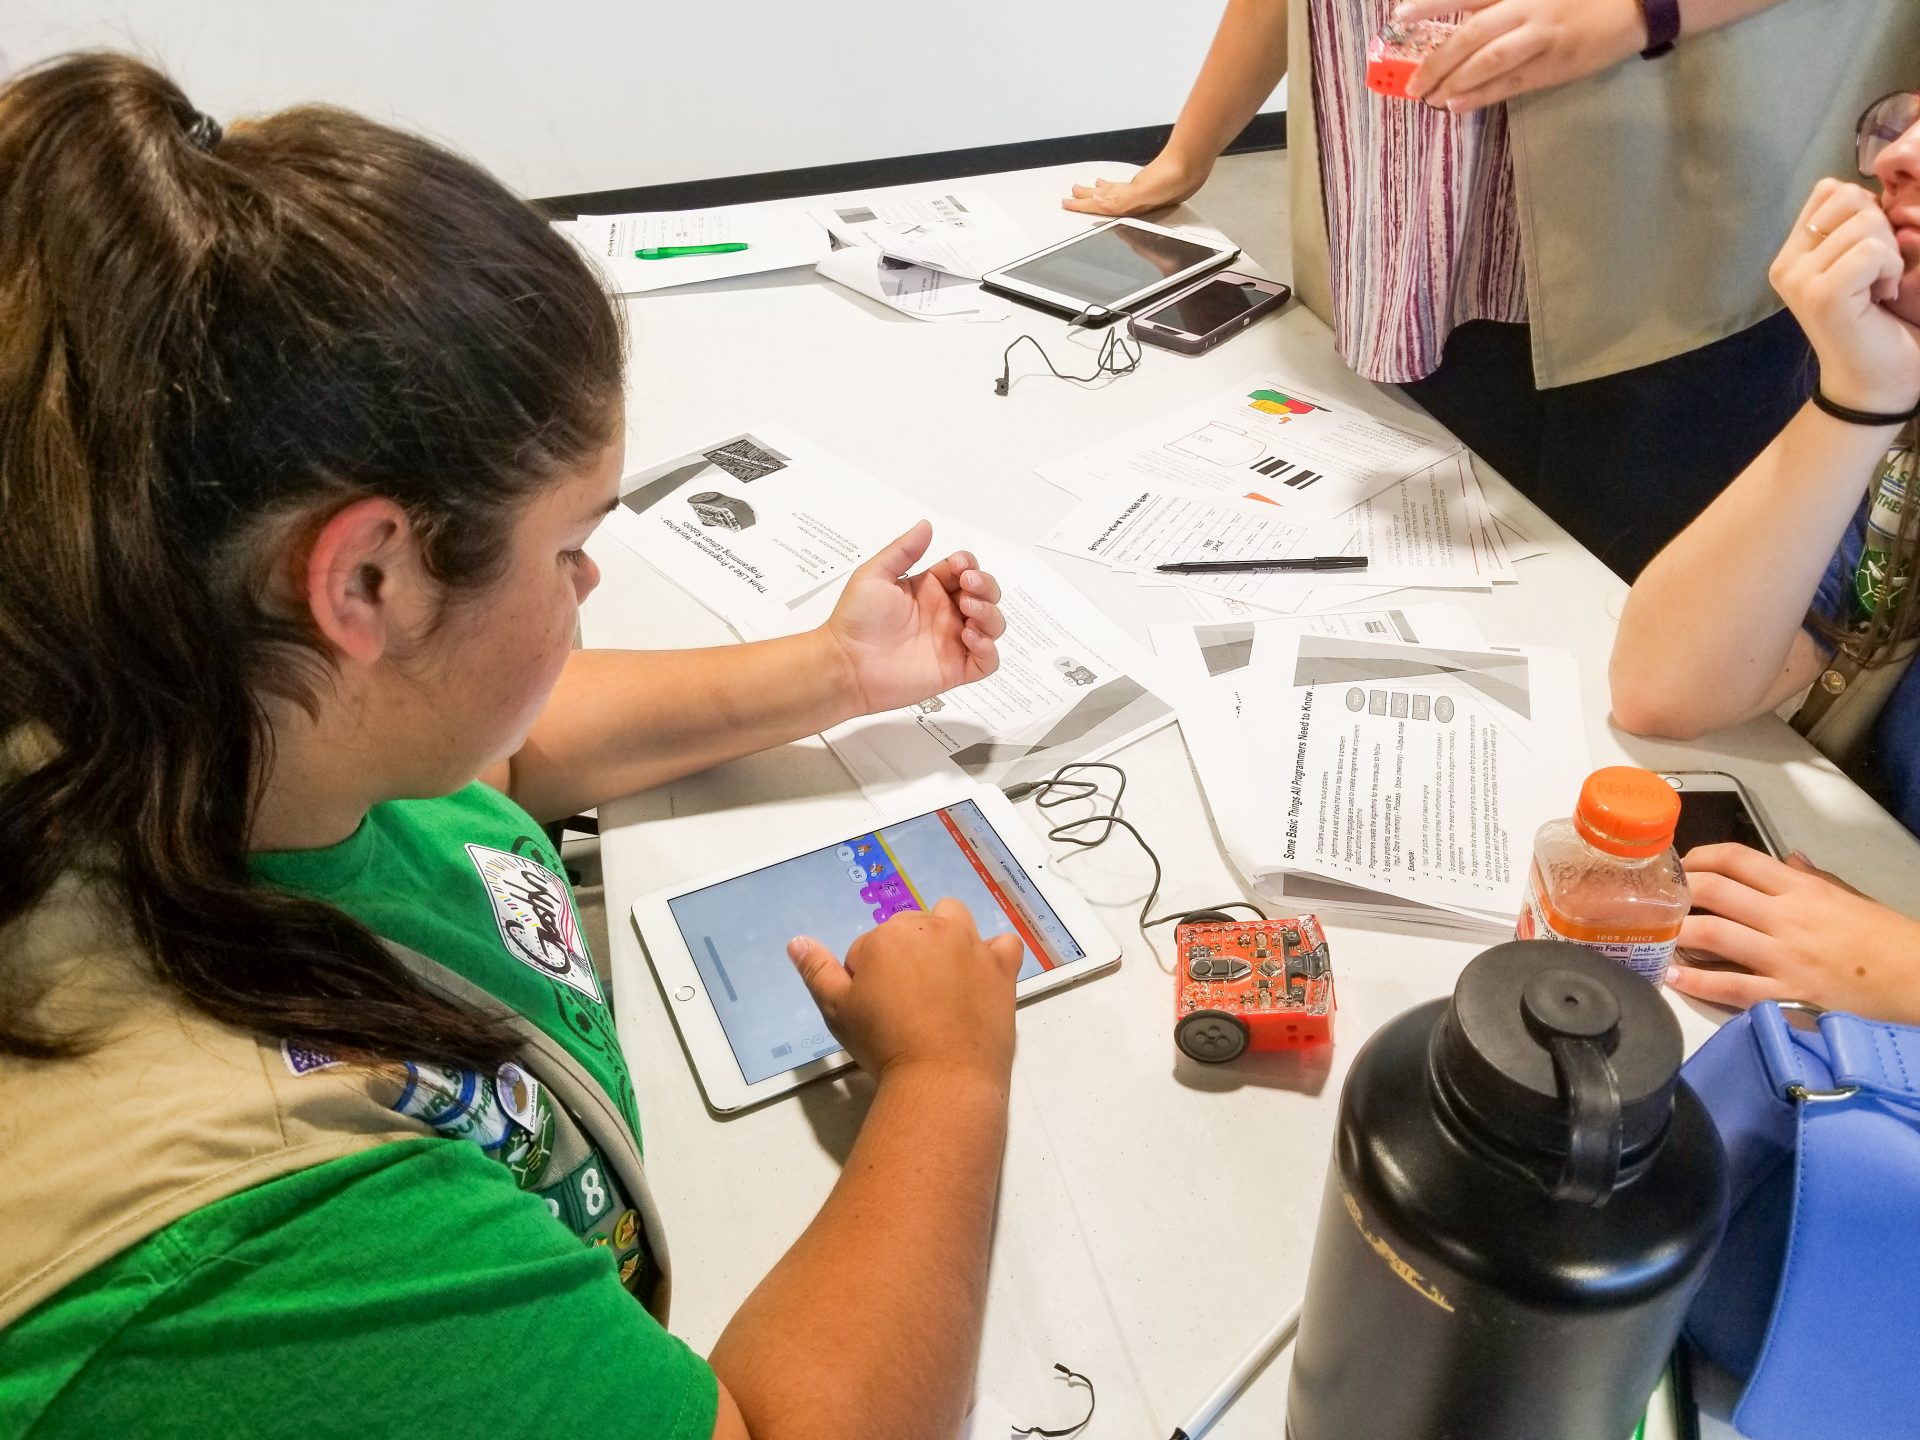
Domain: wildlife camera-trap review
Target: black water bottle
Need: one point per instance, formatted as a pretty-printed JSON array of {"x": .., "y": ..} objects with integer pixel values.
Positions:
[{"x": 1522, "y": 1201}]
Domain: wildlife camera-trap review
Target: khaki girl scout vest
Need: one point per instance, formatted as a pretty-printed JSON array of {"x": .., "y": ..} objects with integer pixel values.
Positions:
[
  {"x": 1653, "y": 197},
  {"x": 173, "y": 1111}
]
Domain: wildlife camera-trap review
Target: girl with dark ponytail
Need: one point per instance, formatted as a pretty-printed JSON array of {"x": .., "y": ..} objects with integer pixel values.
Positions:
[{"x": 311, "y": 1089}]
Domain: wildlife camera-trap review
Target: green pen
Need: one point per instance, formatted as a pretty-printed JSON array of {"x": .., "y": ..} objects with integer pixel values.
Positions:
[{"x": 674, "y": 252}]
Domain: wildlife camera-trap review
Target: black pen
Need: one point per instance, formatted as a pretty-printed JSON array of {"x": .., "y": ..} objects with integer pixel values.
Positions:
[{"x": 1303, "y": 562}]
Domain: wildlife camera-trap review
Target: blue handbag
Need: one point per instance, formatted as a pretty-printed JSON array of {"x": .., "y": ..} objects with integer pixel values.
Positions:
[{"x": 1814, "y": 1297}]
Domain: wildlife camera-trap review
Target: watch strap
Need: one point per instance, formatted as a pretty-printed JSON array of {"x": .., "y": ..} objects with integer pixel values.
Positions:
[{"x": 1663, "y": 26}]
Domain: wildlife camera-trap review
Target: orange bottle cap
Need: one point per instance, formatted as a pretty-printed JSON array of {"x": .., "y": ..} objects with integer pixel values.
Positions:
[{"x": 1627, "y": 811}]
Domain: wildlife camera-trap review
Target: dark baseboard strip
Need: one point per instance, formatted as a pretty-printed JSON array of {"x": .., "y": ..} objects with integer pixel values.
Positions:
[{"x": 1267, "y": 132}]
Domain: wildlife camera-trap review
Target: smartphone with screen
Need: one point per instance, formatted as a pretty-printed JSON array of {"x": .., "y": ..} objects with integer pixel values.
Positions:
[
  {"x": 1715, "y": 808},
  {"x": 1203, "y": 315}
]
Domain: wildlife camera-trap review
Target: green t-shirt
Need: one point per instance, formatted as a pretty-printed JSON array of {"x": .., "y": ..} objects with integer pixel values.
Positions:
[{"x": 415, "y": 1289}]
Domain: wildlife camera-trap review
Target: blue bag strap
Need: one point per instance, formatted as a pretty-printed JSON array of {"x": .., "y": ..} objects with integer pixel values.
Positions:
[
  {"x": 1862, "y": 1056},
  {"x": 1837, "y": 1359},
  {"x": 1878, "y": 1058}
]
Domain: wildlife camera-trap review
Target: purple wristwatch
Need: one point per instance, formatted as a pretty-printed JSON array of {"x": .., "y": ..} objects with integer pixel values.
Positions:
[{"x": 1663, "y": 26}]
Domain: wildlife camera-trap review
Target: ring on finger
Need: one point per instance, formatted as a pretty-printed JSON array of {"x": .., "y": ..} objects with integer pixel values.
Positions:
[{"x": 1815, "y": 231}]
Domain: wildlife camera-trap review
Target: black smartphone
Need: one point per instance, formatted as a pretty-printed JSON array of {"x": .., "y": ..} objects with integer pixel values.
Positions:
[
  {"x": 1715, "y": 808},
  {"x": 1201, "y": 316}
]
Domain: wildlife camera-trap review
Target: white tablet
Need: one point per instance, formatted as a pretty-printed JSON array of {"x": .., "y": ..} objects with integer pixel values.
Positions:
[
  {"x": 718, "y": 945},
  {"x": 1108, "y": 268}
]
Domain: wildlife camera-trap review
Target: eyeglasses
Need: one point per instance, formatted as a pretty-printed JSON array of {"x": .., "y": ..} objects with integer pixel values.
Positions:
[{"x": 1882, "y": 123}]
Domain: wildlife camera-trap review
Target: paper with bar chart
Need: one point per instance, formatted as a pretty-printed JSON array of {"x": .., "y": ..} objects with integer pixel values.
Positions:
[{"x": 1263, "y": 439}]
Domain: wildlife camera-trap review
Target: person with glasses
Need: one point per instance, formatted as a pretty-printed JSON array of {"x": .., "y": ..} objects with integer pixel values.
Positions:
[
  {"x": 1560, "y": 253},
  {"x": 1800, "y": 576}
]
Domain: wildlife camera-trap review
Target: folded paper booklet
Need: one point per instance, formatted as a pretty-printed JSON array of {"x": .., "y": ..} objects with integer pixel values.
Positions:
[{"x": 1399, "y": 778}]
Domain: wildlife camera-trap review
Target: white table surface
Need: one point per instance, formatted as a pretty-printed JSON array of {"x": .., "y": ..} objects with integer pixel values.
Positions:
[{"x": 1156, "y": 1215}]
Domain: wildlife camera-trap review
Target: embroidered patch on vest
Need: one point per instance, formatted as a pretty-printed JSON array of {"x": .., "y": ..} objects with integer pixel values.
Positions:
[
  {"x": 535, "y": 915},
  {"x": 302, "y": 1061}
]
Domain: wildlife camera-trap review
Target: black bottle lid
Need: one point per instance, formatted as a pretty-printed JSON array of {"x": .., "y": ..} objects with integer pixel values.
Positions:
[{"x": 1563, "y": 1058}]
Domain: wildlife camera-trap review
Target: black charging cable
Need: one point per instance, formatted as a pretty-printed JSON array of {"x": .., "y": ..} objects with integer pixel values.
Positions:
[
  {"x": 1119, "y": 354},
  {"x": 1058, "y": 789},
  {"x": 1074, "y": 1377}
]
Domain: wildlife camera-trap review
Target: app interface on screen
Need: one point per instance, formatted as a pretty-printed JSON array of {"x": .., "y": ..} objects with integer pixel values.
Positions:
[
  {"x": 737, "y": 931},
  {"x": 1113, "y": 263}
]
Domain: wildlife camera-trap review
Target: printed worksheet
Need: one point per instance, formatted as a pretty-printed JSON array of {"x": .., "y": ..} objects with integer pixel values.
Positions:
[
  {"x": 1418, "y": 772},
  {"x": 1432, "y": 530},
  {"x": 914, "y": 290},
  {"x": 776, "y": 237},
  {"x": 1263, "y": 439},
  {"x": 1196, "y": 653},
  {"x": 755, "y": 522},
  {"x": 1137, "y": 531},
  {"x": 960, "y": 232}
]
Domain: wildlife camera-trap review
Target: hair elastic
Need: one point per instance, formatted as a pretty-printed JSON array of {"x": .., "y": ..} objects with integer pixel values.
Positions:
[
  {"x": 1861, "y": 417},
  {"x": 203, "y": 131}
]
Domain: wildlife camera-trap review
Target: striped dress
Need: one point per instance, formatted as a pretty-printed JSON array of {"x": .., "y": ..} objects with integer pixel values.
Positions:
[{"x": 1423, "y": 233}]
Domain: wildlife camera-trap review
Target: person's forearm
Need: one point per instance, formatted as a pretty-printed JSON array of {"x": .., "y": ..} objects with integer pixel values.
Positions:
[
  {"x": 1245, "y": 62},
  {"x": 1706, "y": 634},
  {"x": 870, "y": 1324},
  {"x": 624, "y": 720}
]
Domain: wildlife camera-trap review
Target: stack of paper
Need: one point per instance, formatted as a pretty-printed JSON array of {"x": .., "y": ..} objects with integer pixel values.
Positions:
[
  {"x": 922, "y": 255},
  {"x": 1387, "y": 762},
  {"x": 1264, "y": 471}
]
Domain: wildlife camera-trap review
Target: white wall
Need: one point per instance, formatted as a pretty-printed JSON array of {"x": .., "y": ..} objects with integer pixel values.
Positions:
[{"x": 592, "y": 94}]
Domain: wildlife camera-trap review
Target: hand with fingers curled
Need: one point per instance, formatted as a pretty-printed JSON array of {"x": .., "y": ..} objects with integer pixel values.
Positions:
[
  {"x": 1797, "y": 933},
  {"x": 1504, "y": 48},
  {"x": 907, "y": 636},
  {"x": 1838, "y": 270},
  {"x": 921, "y": 990}
]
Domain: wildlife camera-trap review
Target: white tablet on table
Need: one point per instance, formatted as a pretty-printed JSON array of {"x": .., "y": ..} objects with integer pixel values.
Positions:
[
  {"x": 1109, "y": 268},
  {"x": 718, "y": 944}
]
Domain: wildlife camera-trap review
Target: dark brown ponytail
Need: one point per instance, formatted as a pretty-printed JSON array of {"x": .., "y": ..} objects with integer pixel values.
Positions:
[{"x": 202, "y": 333}]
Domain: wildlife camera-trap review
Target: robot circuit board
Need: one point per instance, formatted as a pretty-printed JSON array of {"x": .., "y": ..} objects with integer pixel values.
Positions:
[{"x": 1245, "y": 985}]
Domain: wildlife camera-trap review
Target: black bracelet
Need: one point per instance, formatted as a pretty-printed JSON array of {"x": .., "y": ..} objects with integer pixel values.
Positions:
[{"x": 1862, "y": 417}]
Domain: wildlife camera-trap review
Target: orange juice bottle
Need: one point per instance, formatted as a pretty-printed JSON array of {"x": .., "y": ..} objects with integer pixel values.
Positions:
[{"x": 1608, "y": 878}]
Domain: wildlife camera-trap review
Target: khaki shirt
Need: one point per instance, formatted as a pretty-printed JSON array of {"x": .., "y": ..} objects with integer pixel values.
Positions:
[{"x": 1653, "y": 197}]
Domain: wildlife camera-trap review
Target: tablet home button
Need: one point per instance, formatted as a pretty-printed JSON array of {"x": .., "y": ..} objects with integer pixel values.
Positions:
[{"x": 685, "y": 992}]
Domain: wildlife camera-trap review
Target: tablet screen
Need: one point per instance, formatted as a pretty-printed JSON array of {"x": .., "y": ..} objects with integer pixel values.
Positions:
[
  {"x": 737, "y": 930},
  {"x": 1109, "y": 265}
]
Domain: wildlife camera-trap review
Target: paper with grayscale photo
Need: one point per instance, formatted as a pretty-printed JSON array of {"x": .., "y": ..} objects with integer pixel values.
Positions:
[
  {"x": 959, "y": 232},
  {"x": 1415, "y": 771},
  {"x": 755, "y": 522},
  {"x": 915, "y": 290},
  {"x": 1196, "y": 653},
  {"x": 1071, "y": 685}
]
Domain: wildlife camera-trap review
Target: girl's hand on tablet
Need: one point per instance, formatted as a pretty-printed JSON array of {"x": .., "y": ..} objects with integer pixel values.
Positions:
[
  {"x": 904, "y": 637},
  {"x": 921, "y": 990},
  {"x": 1163, "y": 181},
  {"x": 1835, "y": 270},
  {"x": 1799, "y": 933}
]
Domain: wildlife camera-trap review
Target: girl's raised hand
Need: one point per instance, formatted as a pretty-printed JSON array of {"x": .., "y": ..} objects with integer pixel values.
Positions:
[
  {"x": 908, "y": 636},
  {"x": 1835, "y": 271}
]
